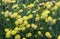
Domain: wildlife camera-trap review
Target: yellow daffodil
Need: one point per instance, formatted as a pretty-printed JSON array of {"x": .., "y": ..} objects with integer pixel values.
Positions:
[
  {"x": 55, "y": 7},
  {"x": 25, "y": 22},
  {"x": 23, "y": 38},
  {"x": 28, "y": 35},
  {"x": 8, "y": 34},
  {"x": 16, "y": 22},
  {"x": 23, "y": 28},
  {"x": 48, "y": 4},
  {"x": 18, "y": 36},
  {"x": 49, "y": 19},
  {"x": 34, "y": 26},
  {"x": 19, "y": 21},
  {"x": 25, "y": 17},
  {"x": 58, "y": 3},
  {"x": 58, "y": 37},
  {"x": 6, "y": 29},
  {"x": 19, "y": 16},
  {"x": 6, "y": 13},
  {"x": 30, "y": 16},
  {"x": 13, "y": 32},
  {"x": 14, "y": 15},
  {"x": 16, "y": 28},
  {"x": 54, "y": 21},
  {"x": 47, "y": 11},
  {"x": 28, "y": 26},
  {"x": 44, "y": 15},
  {"x": 37, "y": 17},
  {"x": 48, "y": 34},
  {"x": 39, "y": 33}
]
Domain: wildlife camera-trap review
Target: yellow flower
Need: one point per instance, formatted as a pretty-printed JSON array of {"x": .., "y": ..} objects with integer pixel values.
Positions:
[
  {"x": 58, "y": 37},
  {"x": 19, "y": 21},
  {"x": 39, "y": 33},
  {"x": 13, "y": 32},
  {"x": 31, "y": 5},
  {"x": 37, "y": 19},
  {"x": 23, "y": 38},
  {"x": 47, "y": 11},
  {"x": 17, "y": 36},
  {"x": 8, "y": 34},
  {"x": 18, "y": 17},
  {"x": 54, "y": 21},
  {"x": 25, "y": 17},
  {"x": 6, "y": 13},
  {"x": 28, "y": 34},
  {"x": 58, "y": 3},
  {"x": 16, "y": 29},
  {"x": 30, "y": 16},
  {"x": 15, "y": 6},
  {"x": 6, "y": 29},
  {"x": 23, "y": 28},
  {"x": 48, "y": 4},
  {"x": 24, "y": 6},
  {"x": 28, "y": 26},
  {"x": 16, "y": 23},
  {"x": 44, "y": 15},
  {"x": 14, "y": 15},
  {"x": 34, "y": 26},
  {"x": 48, "y": 34},
  {"x": 25, "y": 22},
  {"x": 49, "y": 19},
  {"x": 55, "y": 7}
]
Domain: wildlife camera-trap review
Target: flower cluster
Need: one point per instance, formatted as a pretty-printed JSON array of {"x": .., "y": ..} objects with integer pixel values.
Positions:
[{"x": 33, "y": 20}]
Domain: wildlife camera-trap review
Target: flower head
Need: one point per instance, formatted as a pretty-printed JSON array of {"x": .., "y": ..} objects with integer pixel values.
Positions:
[
  {"x": 58, "y": 37},
  {"x": 48, "y": 34},
  {"x": 28, "y": 34},
  {"x": 17, "y": 36}
]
